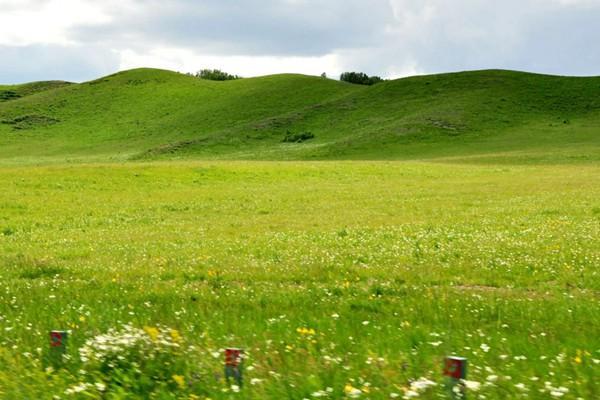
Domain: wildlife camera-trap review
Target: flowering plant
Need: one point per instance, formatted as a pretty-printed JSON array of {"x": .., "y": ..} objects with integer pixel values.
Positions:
[{"x": 134, "y": 361}]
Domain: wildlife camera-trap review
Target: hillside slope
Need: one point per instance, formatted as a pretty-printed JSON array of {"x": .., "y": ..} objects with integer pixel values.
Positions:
[{"x": 156, "y": 114}]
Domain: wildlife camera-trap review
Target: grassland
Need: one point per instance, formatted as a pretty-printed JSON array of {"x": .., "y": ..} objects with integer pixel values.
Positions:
[
  {"x": 161, "y": 218},
  {"x": 392, "y": 264}
]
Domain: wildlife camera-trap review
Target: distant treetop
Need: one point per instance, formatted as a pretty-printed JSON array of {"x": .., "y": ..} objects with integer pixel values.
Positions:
[
  {"x": 216, "y": 75},
  {"x": 360, "y": 78}
]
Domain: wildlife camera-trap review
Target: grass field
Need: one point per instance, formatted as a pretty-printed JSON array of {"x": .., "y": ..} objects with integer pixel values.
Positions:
[{"x": 347, "y": 279}]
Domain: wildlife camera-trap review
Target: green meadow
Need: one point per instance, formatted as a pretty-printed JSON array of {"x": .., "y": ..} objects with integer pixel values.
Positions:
[{"x": 160, "y": 219}]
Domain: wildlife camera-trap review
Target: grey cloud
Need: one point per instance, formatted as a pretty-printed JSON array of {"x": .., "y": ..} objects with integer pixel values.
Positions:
[
  {"x": 302, "y": 28},
  {"x": 377, "y": 36}
]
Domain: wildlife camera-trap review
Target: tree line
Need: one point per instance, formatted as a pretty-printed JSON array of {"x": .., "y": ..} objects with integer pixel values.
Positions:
[{"x": 357, "y": 78}]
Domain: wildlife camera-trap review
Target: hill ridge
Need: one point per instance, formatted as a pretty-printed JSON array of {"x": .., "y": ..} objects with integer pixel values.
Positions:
[{"x": 147, "y": 113}]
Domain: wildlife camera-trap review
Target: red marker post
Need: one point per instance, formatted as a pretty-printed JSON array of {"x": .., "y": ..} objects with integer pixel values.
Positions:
[
  {"x": 455, "y": 369},
  {"x": 234, "y": 362},
  {"x": 58, "y": 346}
]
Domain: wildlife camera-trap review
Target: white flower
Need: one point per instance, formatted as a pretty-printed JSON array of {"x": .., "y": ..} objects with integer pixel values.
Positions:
[
  {"x": 255, "y": 381},
  {"x": 484, "y": 347},
  {"x": 521, "y": 386},
  {"x": 421, "y": 384},
  {"x": 235, "y": 388},
  {"x": 77, "y": 388},
  {"x": 492, "y": 378},
  {"x": 436, "y": 344},
  {"x": 365, "y": 323},
  {"x": 471, "y": 385},
  {"x": 409, "y": 394}
]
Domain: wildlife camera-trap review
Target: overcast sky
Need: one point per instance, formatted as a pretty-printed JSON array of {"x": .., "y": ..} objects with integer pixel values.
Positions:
[{"x": 80, "y": 40}]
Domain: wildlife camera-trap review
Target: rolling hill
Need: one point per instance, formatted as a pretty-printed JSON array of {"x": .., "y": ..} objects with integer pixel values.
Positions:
[{"x": 148, "y": 114}]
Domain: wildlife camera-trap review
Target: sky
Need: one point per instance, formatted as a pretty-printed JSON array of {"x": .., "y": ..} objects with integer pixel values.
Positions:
[{"x": 79, "y": 40}]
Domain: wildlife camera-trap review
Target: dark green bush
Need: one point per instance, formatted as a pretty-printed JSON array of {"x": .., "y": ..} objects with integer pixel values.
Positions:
[
  {"x": 360, "y": 78},
  {"x": 297, "y": 137},
  {"x": 216, "y": 75}
]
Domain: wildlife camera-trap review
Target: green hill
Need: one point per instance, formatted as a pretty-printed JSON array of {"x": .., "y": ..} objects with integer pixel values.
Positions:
[{"x": 154, "y": 114}]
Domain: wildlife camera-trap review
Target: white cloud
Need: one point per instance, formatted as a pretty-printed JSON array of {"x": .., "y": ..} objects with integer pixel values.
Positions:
[
  {"x": 48, "y": 22},
  {"x": 187, "y": 61}
]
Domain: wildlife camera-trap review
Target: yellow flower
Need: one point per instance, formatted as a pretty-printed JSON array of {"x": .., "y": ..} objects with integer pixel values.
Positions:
[
  {"x": 152, "y": 332},
  {"x": 348, "y": 388},
  {"x": 82, "y": 318},
  {"x": 577, "y": 360},
  {"x": 179, "y": 380},
  {"x": 175, "y": 335},
  {"x": 306, "y": 331}
]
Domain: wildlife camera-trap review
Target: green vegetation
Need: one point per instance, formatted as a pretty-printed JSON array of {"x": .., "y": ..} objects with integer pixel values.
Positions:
[
  {"x": 392, "y": 264},
  {"x": 360, "y": 78},
  {"x": 147, "y": 114},
  {"x": 216, "y": 75},
  {"x": 467, "y": 224}
]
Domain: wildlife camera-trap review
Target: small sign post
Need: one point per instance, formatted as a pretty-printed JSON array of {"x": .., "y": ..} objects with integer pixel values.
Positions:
[
  {"x": 58, "y": 346},
  {"x": 234, "y": 362},
  {"x": 455, "y": 369}
]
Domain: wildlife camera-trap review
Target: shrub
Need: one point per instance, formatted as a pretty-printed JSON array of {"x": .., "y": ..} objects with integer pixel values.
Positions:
[
  {"x": 216, "y": 75},
  {"x": 297, "y": 137},
  {"x": 146, "y": 362},
  {"x": 360, "y": 78}
]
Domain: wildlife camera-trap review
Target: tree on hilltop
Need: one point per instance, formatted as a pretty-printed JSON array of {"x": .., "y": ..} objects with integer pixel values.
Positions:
[
  {"x": 360, "y": 78},
  {"x": 216, "y": 75}
]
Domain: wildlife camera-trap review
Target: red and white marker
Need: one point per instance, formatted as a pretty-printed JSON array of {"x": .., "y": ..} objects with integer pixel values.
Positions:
[
  {"x": 234, "y": 360},
  {"x": 455, "y": 369}
]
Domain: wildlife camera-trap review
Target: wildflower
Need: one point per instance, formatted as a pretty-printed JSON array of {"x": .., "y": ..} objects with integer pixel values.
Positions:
[
  {"x": 365, "y": 323},
  {"x": 81, "y": 387},
  {"x": 521, "y": 386},
  {"x": 179, "y": 380},
  {"x": 484, "y": 347},
  {"x": 175, "y": 336},
  {"x": 422, "y": 384},
  {"x": 306, "y": 331},
  {"x": 152, "y": 332},
  {"x": 471, "y": 385},
  {"x": 352, "y": 392},
  {"x": 235, "y": 388},
  {"x": 409, "y": 394}
]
